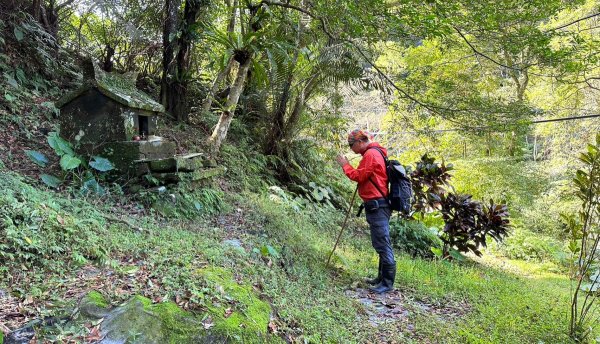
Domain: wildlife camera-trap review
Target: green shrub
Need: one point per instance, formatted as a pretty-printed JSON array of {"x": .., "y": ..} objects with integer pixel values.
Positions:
[
  {"x": 414, "y": 238},
  {"x": 246, "y": 167},
  {"x": 526, "y": 245}
]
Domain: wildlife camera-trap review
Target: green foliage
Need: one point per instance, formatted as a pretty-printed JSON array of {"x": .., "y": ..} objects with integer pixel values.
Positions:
[
  {"x": 41, "y": 231},
  {"x": 37, "y": 157},
  {"x": 184, "y": 201},
  {"x": 529, "y": 246},
  {"x": 467, "y": 223},
  {"x": 72, "y": 166},
  {"x": 414, "y": 238},
  {"x": 246, "y": 167},
  {"x": 584, "y": 239}
]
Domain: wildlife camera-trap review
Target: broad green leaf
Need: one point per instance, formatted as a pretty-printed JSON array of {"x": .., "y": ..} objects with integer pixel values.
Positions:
[
  {"x": 9, "y": 97},
  {"x": 51, "y": 181},
  {"x": 11, "y": 80},
  {"x": 268, "y": 250},
  {"x": 91, "y": 185},
  {"x": 21, "y": 75},
  {"x": 60, "y": 146},
  {"x": 19, "y": 35},
  {"x": 317, "y": 195},
  {"x": 101, "y": 164},
  {"x": 69, "y": 162},
  {"x": 437, "y": 251},
  {"x": 37, "y": 157}
]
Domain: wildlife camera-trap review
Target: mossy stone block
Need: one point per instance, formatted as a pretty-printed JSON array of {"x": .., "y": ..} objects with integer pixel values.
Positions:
[
  {"x": 180, "y": 163},
  {"x": 125, "y": 154},
  {"x": 163, "y": 165},
  {"x": 139, "y": 321},
  {"x": 189, "y": 163},
  {"x": 93, "y": 306}
]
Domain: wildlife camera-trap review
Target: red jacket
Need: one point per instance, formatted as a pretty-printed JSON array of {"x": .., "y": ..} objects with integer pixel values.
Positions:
[{"x": 371, "y": 166}]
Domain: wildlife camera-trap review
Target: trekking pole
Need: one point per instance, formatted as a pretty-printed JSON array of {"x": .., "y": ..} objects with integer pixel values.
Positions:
[{"x": 343, "y": 226}]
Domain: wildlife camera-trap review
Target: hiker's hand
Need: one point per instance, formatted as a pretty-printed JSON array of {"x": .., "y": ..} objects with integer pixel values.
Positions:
[{"x": 341, "y": 160}]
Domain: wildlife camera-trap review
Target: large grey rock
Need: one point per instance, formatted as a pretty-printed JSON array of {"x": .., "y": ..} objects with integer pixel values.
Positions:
[{"x": 140, "y": 321}]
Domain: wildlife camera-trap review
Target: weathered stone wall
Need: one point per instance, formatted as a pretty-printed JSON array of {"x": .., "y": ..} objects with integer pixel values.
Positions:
[{"x": 94, "y": 114}]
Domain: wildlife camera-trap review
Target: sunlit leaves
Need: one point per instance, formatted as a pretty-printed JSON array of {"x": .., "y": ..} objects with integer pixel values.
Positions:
[{"x": 69, "y": 162}]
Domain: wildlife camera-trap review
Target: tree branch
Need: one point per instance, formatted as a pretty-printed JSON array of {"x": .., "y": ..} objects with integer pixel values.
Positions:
[
  {"x": 573, "y": 22},
  {"x": 476, "y": 51}
]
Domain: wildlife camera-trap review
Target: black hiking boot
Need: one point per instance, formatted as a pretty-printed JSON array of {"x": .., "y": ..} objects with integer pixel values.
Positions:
[
  {"x": 376, "y": 280},
  {"x": 387, "y": 281}
]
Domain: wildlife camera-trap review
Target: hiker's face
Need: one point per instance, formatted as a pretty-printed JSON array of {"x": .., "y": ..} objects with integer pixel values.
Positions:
[{"x": 358, "y": 146}]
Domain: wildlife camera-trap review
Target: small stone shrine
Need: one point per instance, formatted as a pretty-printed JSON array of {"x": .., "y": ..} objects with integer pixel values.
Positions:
[{"x": 108, "y": 116}]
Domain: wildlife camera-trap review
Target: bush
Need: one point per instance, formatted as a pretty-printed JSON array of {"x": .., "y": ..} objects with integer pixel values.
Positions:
[
  {"x": 529, "y": 246},
  {"x": 414, "y": 238}
]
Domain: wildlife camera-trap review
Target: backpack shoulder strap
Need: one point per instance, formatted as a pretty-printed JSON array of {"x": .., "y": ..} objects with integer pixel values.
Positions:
[
  {"x": 385, "y": 159},
  {"x": 385, "y": 166}
]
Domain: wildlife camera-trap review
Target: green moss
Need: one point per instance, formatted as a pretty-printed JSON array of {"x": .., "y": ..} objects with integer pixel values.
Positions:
[
  {"x": 140, "y": 321},
  {"x": 250, "y": 317},
  {"x": 1, "y": 337},
  {"x": 97, "y": 299},
  {"x": 175, "y": 319}
]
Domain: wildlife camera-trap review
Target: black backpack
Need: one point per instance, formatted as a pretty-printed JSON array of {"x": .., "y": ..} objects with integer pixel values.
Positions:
[{"x": 399, "y": 185}]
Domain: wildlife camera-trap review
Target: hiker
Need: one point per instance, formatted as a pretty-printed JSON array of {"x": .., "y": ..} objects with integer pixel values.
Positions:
[{"x": 372, "y": 188}]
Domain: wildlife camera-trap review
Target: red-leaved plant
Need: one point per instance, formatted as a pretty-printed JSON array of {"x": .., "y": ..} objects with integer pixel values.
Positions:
[{"x": 467, "y": 223}]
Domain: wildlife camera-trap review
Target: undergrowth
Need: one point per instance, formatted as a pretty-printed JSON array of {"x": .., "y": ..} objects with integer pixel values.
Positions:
[{"x": 40, "y": 230}]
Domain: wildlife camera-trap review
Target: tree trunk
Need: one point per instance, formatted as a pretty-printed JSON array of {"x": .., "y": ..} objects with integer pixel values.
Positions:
[
  {"x": 278, "y": 132},
  {"x": 36, "y": 10},
  {"x": 107, "y": 64},
  {"x": 169, "y": 30},
  {"x": 277, "y": 129},
  {"x": 300, "y": 103},
  {"x": 178, "y": 102},
  {"x": 207, "y": 103},
  {"x": 220, "y": 132}
]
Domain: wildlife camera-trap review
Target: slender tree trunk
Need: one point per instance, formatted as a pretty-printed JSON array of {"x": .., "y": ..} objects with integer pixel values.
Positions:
[
  {"x": 299, "y": 105},
  {"x": 107, "y": 64},
  {"x": 220, "y": 132},
  {"x": 36, "y": 10},
  {"x": 207, "y": 103},
  {"x": 277, "y": 129},
  {"x": 174, "y": 97},
  {"x": 278, "y": 132}
]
